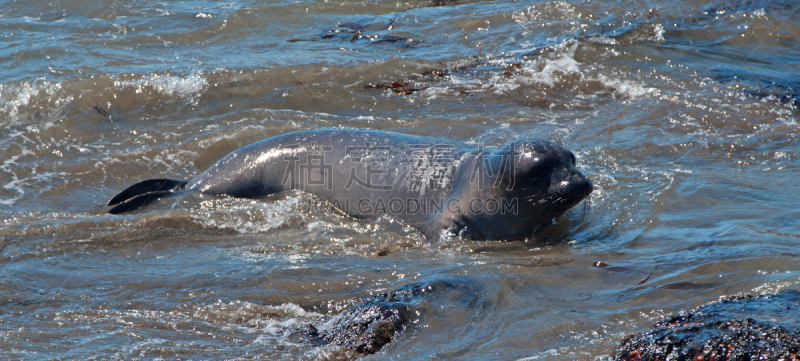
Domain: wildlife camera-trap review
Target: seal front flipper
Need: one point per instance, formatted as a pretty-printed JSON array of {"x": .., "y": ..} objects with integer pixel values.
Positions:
[{"x": 142, "y": 193}]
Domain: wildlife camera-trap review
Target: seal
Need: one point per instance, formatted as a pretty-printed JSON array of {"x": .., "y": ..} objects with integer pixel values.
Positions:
[{"x": 434, "y": 185}]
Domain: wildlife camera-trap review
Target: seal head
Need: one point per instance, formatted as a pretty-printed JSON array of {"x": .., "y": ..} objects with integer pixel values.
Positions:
[{"x": 518, "y": 189}]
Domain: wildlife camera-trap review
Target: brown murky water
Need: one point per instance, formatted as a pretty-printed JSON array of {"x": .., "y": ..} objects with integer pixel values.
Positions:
[{"x": 683, "y": 114}]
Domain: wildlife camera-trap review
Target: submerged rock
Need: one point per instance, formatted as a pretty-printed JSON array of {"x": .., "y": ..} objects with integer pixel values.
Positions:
[
  {"x": 739, "y": 327},
  {"x": 782, "y": 89},
  {"x": 377, "y": 320}
]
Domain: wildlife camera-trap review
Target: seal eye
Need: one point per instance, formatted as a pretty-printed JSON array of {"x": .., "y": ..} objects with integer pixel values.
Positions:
[{"x": 540, "y": 173}]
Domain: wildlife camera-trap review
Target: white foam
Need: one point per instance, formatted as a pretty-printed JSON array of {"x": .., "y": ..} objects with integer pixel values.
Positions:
[
  {"x": 546, "y": 12},
  {"x": 626, "y": 88},
  {"x": 18, "y": 185},
  {"x": 553, "y": 70},
  {"x": 563, "y": 70},
  {"x": 190, "y": 86},
  {"x": 175, "y": 160},
  {"x": 14, "y": 96},
  {"x": 14, "y": 185},
  {"x": 248, "y": 216},
  {"x": 658, "y": 33}
]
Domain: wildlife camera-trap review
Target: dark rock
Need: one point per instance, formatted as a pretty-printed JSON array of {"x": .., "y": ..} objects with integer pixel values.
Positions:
[
  {"x": 739, "y": 327},
  {"x": 782, "y": 89},
  {"x": 367, "y": 326}
]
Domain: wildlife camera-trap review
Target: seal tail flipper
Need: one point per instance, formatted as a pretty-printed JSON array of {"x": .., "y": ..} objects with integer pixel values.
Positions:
[
  {"x": 138, "y": 201},
  {"x": 142, "y": 193},
  {"x": 145, "y": 186}
]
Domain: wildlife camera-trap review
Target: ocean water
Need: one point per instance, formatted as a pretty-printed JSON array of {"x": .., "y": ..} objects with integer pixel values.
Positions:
[{"x": 684, "y": 114}]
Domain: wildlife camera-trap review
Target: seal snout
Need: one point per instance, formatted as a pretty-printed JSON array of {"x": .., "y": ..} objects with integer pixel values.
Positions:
[
  {"x": 571, "y": 186},
  {"x": 582, "y": 185}
]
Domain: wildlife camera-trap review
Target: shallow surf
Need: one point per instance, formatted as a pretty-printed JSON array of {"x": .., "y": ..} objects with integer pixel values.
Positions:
[{"x": 683, "y": 115}]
